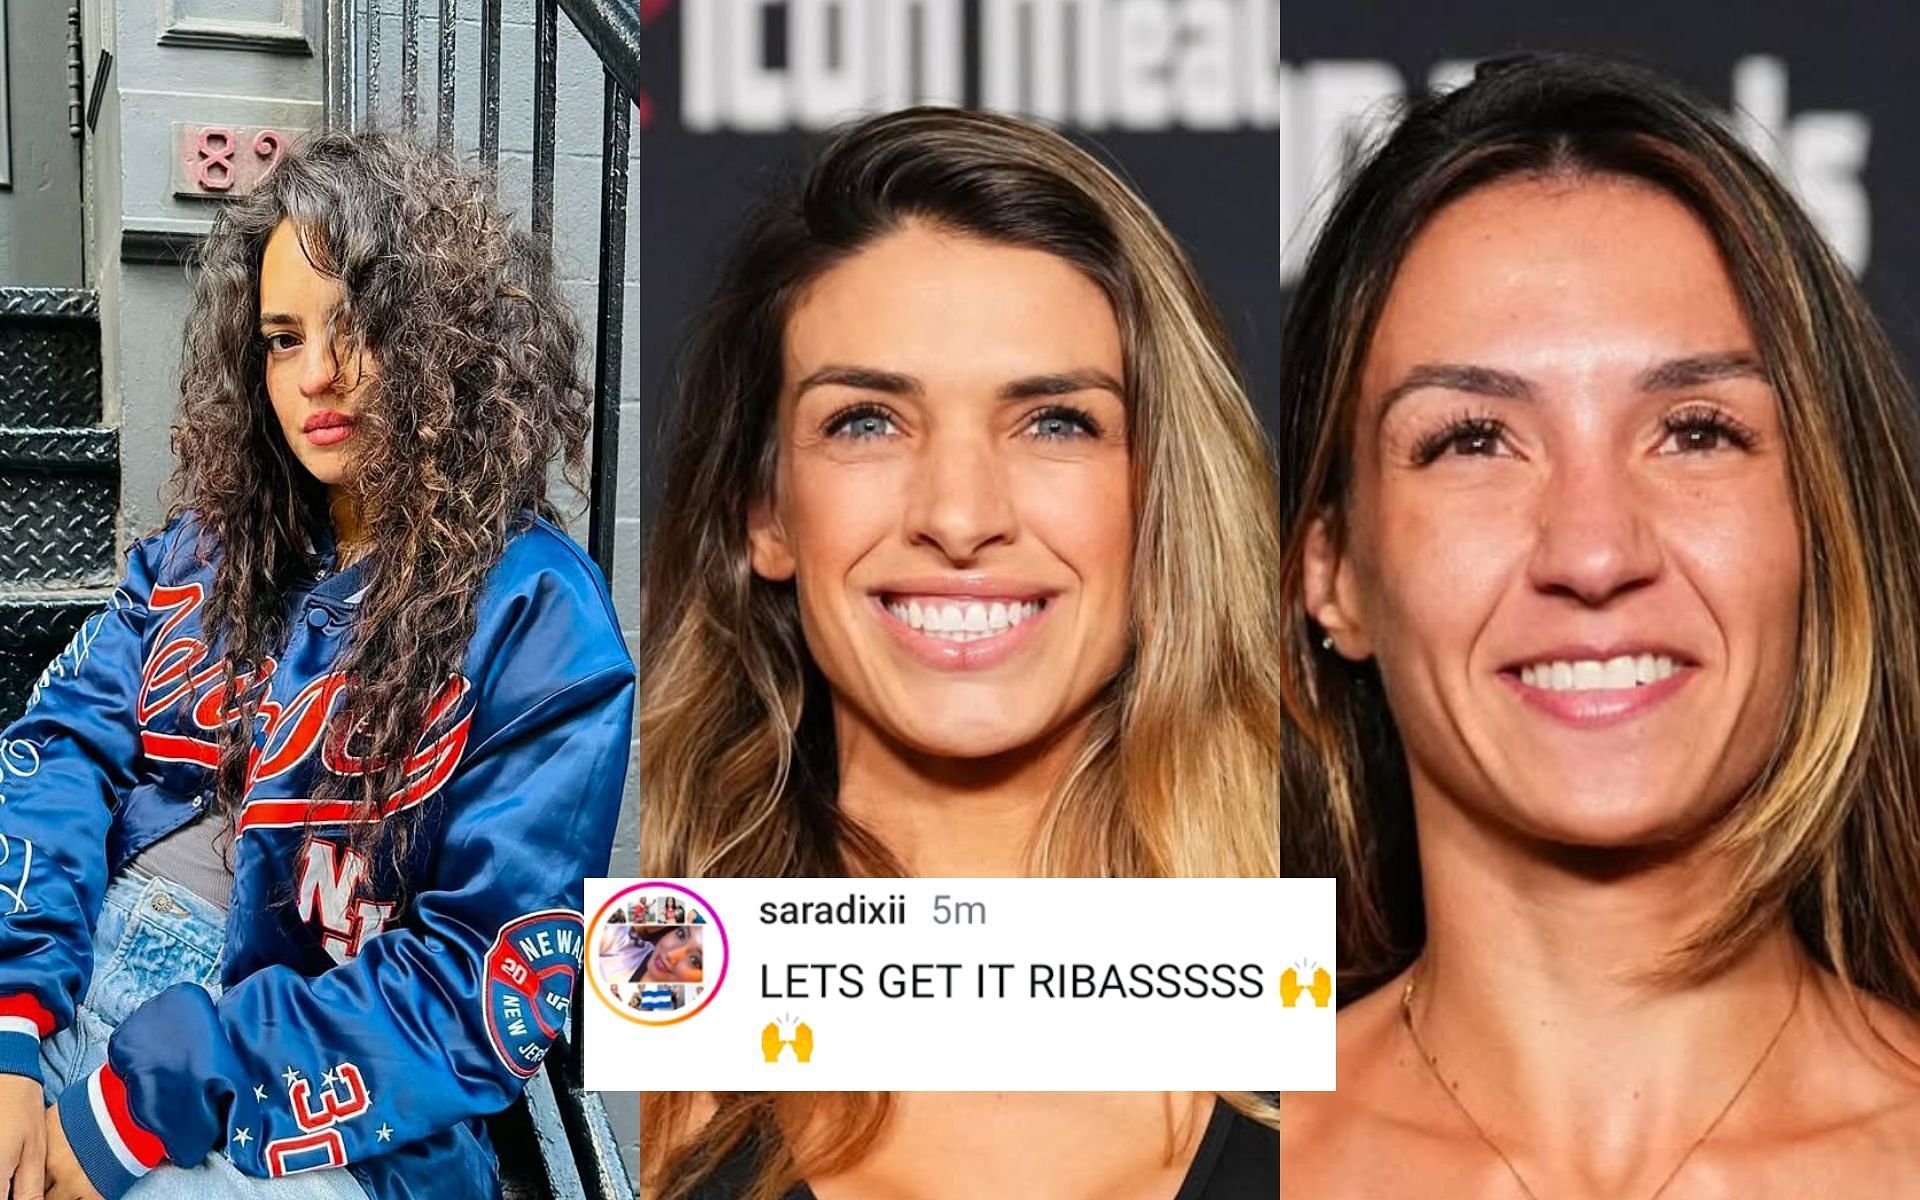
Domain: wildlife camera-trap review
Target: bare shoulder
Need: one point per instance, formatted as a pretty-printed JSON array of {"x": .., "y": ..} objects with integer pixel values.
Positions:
[
  {"x": 1365, "y": 1036},
  {"x": 1871, "y": 1046},
  {"x": 1363, "y": 1139},
  {"x": 1849, "y": 1114}
]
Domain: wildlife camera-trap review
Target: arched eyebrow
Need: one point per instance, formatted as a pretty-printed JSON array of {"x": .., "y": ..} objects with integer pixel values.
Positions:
[
  {"x": 865, "y": 379},
  {"x": 1459, "y": 377},
  {"x": 333, "y": 314},
  {"x": 1676, "y": 374},
  {"x": 894, "y": 383},
  {"x": 1063, "y": 383},
  {"x": 1699, "y": 369}
]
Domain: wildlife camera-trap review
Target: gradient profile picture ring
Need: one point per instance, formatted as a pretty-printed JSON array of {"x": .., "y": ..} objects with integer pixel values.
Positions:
[{"x": 657, "y": 953}]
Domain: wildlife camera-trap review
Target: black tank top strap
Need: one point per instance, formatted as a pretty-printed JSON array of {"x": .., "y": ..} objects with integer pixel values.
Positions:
[{"x": 1238, "y": 1159}]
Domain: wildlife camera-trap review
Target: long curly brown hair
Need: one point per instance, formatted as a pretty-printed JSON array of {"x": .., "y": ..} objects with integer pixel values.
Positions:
[{"x": 478, "y": 390}]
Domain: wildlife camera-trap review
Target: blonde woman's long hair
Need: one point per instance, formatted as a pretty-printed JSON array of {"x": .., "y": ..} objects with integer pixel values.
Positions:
[
  {"x": 1179, "y": 773},
  {"x": 1829, "y": 834}
]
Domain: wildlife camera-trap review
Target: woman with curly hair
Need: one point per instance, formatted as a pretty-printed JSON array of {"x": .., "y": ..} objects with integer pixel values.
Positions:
[
  {"x": 966, "y": 567},
  {"x": 295, "y": 888}
]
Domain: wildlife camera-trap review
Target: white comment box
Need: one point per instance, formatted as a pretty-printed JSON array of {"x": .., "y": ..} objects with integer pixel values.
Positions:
[{"x": 960, "y": 985}]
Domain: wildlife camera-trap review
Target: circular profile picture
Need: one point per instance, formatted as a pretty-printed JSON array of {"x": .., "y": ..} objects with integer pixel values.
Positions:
[{"x": 657, "y": 953}]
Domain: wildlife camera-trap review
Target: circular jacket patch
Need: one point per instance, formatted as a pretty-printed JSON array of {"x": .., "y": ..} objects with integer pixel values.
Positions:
[{"x": 531, "y": 971}]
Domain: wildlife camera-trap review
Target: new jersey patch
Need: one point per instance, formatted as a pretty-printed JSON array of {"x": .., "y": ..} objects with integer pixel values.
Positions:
[{"x": 531, "y": 970}]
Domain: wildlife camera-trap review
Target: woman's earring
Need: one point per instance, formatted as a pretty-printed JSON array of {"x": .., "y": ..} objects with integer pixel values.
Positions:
[{"x": 1326, "y": 641}]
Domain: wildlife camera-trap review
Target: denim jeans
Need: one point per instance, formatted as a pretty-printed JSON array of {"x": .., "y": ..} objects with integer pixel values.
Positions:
[{"x": 152, "y": 934}]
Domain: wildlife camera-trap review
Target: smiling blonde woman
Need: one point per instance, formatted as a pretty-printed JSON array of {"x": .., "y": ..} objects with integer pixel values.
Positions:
[
  {"x": 1605, "y": 554},
  {"x": 966, "y": 567}
]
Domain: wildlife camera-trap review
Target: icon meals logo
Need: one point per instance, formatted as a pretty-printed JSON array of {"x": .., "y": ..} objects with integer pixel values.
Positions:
[{"x": 531, "y": 971}]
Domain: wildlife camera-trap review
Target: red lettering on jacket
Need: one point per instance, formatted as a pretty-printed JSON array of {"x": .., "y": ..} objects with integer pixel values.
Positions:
[
  {"x": 173, "y": 671},
  {"x": 427, "y": 770},
  {"x": 179, "y": 670}
]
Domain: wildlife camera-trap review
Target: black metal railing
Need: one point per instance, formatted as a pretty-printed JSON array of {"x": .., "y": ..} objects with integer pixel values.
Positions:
[
  {"x": 611, "y": 28},
  {"x": 559, "y": 1123}
]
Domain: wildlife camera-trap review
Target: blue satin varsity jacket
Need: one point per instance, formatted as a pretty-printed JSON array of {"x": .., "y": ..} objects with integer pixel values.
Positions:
[{"x": 361, "y": 1023}]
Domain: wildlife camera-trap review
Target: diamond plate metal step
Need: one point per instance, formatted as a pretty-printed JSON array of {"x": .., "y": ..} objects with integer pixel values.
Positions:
[
  {"x": 93, "y": 448},
  {"x": 56, "y": 527},
  {"x": 59, "y": 467},
  {"x": 49, "y": 357},
  {"x": 34, "y": 627}
]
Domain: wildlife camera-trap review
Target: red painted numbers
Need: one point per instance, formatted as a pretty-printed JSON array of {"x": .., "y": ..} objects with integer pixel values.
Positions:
[{"x": 217, "y": 162}]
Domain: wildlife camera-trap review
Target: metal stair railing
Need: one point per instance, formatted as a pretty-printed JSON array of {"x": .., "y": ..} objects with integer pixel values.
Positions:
[
  {"x": 612, "y": 29},
  {"x": 562, "y": 1119}
]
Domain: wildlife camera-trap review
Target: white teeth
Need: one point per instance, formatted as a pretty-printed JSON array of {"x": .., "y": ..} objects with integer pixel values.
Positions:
[
  {"x": 1619, "y": 672},
  {"x": 963, "y": 621},
  {"x": 1589, "y": 674}
]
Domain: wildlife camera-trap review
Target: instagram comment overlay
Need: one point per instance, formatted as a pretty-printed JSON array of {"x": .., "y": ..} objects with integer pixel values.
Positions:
[{"x": 960, "y": 984}]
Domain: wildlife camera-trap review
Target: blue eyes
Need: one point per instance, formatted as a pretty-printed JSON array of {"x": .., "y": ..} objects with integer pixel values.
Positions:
[
  {"x": 861, "y": 423},
  {"x": 1062, "y": 421},
  {"x": 868, "y": 422}
]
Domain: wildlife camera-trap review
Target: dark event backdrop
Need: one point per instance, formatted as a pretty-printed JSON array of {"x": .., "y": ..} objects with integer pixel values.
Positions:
[
  {"x": 1181, "y": 96},
  {"x": 1233, "y": 128},
  {"x": 1827, "y": 91}
]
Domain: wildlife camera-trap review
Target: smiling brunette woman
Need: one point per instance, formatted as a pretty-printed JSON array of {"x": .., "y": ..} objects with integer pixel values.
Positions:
[
  {"x": 965, "y": 568},
  {"x": 1609, "y": 547}
]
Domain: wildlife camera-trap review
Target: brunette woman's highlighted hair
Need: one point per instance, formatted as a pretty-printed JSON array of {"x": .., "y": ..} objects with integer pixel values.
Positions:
[
  {"x": 738, "y": 772},
  {"x": 1828, "y": 831},
  {"x": 473, "y": 391}
]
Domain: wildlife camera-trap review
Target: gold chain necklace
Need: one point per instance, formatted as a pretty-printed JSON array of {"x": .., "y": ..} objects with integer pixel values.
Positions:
[{"x": 1433, "y": 1065}]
